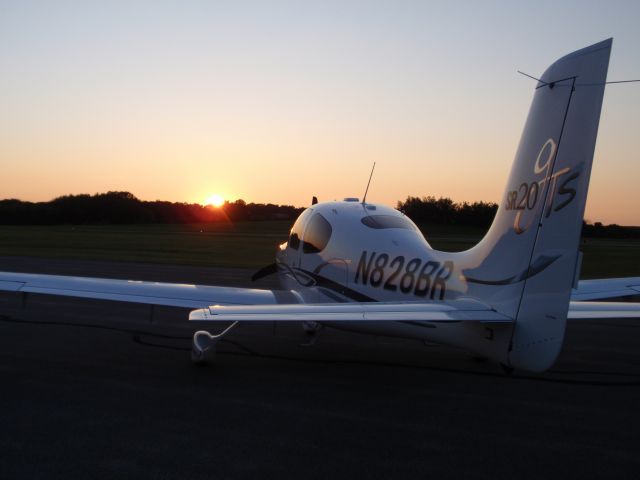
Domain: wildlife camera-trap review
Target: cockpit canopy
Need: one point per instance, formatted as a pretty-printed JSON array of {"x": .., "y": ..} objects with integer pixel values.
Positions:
[
  {"x": 312, "y": 231},
  {"x": 316, "y": 234}
]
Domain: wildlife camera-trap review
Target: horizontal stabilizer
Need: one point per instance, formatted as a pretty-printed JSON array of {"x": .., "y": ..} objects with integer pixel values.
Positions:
[
  {"x": 606, "y": 288},
  {"x": 603, "y": 310}
]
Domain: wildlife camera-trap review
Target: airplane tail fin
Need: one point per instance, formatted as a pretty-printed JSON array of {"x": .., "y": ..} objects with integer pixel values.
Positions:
[{"x": 526, "y": 264}]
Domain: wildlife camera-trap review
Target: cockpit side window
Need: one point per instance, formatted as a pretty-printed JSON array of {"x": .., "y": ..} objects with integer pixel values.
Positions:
[
  {"x": 297, "y": 229},
  {"x": 387, "y": 221},
  {"x": 316, "y": 235}
]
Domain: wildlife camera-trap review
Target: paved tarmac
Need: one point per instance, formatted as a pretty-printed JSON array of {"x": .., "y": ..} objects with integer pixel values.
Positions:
[{"x": 96, "y": 389}]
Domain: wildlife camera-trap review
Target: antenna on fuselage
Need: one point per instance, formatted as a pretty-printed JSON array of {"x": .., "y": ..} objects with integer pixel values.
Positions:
[{"x": 364, "y": 199}]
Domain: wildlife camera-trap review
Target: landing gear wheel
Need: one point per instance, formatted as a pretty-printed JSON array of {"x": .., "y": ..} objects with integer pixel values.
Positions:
[
  {"x": 311, "y": 327},
  {"x": 507, "y": 369},
  {"x": 312, "y": 330},
  {"x": 198, "y": 357}
]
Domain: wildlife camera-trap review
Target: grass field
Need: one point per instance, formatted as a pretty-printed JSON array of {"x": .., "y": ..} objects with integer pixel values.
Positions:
[{"x": 249, "y": 244}]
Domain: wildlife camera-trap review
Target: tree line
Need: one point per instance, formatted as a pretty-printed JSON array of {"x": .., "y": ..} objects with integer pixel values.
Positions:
[
  {"x": 431, "y": 210},
  {"x": 445, "y": 211},
  {"x": 125, "y": 208}
]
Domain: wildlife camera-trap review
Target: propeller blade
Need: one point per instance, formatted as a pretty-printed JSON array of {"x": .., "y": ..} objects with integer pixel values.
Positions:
[{"x": 265, "y": 272}]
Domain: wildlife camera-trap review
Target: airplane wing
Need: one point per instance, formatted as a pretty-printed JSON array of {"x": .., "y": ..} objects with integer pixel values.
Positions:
[
  {"x": 451, "y": 311},
  {"x": 606, "y": 288},
  {"x": 247, "y": 304},
  {"x": 244, "y": 303},
  {"x": 152, "y": 293}
]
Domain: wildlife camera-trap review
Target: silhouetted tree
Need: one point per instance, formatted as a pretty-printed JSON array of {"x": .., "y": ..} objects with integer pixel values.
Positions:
[
  {"x": 446, "y": 211},
  {"x": 125, "y": 208}
]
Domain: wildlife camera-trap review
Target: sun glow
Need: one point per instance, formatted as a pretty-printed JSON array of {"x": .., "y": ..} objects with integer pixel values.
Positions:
[{"x": 214, "y": 200}]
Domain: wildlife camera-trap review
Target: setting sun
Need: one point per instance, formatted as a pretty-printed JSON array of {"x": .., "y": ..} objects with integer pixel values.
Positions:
[{"x": 214, "y": 200}]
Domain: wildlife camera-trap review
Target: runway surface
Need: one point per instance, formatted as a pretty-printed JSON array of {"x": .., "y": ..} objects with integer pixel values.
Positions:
[{"x": 96, "y": 389}]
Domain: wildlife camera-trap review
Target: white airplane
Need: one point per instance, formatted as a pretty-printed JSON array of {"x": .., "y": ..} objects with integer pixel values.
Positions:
[{"x": 365, "y": 267}]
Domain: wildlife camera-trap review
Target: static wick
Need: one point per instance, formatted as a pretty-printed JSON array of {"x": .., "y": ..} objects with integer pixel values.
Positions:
[
  {"x": 364, "y": 199},
  {"x": 531, "y": 76}
]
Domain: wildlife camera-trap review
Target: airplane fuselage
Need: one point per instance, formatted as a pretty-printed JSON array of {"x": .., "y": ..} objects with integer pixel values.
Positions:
[{"x": 349, "y": 251}]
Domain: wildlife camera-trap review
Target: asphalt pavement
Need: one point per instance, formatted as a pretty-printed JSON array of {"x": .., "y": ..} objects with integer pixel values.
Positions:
[{"x": 97, "y": 389}]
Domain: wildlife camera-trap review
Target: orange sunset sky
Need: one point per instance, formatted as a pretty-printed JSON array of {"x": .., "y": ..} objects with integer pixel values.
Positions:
[{"x": 280, "y": 101}]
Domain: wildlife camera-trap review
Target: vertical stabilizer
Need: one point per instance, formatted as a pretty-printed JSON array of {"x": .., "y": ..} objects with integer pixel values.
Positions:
[{"x": 525, "y": 265}]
